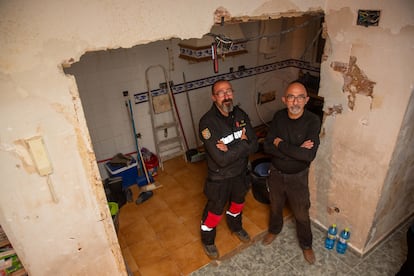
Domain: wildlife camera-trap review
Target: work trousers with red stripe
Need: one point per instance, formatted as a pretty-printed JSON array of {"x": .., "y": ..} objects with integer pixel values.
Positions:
[{"x": 220, "y": 193}]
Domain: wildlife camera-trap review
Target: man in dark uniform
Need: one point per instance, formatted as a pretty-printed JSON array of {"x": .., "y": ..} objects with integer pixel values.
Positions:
[
  {"x": 292, "y": 141},
  {"x": 228, "y": 138}
]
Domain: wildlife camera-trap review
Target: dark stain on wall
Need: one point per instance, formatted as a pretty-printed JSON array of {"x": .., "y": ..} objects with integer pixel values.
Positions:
[
  {"x": 355, "y": 80},
  {"x": 331, "y": 111},
  {"x": 336, "y": 109}
]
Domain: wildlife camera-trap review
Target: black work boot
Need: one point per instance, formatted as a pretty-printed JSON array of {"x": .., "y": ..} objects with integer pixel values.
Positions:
[
  {"x": 242, "y": 235},
  {"x": 211, "y": 251}
]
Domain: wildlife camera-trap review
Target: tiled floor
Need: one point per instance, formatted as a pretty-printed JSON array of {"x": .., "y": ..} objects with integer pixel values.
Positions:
[
  {"x": 284, "y": 257},
  {"x": 161, "y": 237}
]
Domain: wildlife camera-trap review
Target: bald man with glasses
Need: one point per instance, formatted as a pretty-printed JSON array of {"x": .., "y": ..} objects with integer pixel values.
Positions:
[{"x": 292, "y": 142}]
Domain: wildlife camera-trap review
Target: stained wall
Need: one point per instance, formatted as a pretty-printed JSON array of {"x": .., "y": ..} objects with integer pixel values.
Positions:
[
  {"x": 367, "y": 84},
  {"x": 73, "y": 232},
  {"x": 60, "y": 224}
]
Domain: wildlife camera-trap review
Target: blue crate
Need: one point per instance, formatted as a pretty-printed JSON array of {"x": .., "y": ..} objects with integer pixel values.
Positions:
[{"x": 129, "y": 174}]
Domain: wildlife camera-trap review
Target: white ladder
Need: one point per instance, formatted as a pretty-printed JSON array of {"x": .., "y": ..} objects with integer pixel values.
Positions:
[{"x": 164, "y": 119}]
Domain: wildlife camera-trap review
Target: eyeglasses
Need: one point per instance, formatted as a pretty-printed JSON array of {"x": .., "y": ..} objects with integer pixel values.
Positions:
[
  {"x": 227, "y": 92},
  {"x": 291, "y": 98}
]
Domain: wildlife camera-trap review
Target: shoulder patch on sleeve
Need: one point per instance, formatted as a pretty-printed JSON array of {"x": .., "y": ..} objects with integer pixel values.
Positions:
[{"x": 206, "y": 133}]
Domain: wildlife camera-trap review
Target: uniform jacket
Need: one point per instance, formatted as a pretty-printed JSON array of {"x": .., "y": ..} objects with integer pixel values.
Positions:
[{"x": 213, "y": 127}]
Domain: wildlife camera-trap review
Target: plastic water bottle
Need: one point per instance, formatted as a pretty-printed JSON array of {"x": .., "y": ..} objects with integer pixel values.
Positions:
[
  {"x": 331, "y": 237},
  {"x": 342, "y": 243}
]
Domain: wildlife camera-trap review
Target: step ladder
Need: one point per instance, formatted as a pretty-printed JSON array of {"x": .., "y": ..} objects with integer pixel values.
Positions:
[{"x": 164, "y": 120}]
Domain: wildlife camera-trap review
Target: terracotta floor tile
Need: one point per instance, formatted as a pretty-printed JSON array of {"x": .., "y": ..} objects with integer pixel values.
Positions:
[
  {"x": 122, "y": 241},
  {"x": 129, "y": 214},
  {"x": 190, "y": 257},
  {"x": 174, "y": 165},
  {"x": 165, "y": 267},
  {"x": 176, "y": 237},
  {"x": 189, "y": 208},
  {"x": 162, "y": 221},
  {"x": 152, "y": 206},
  {"x": 258, "y": 216},
  {"x": 138, "y": 232},
  {"x": 148, "y": 252},
  {"x": 191, "y": 184},
  {"x": 251, "y": 202},
  {"x": 225, "y": 240},
  {"x": 200, "y": 167},
  {"x": 251, "y": 227},
  {"x": 175, "y": 195},
  {"x": 129, "y": 259},
  {"x": 162, "y": 235},
  {"x": 193, "y": 224}
]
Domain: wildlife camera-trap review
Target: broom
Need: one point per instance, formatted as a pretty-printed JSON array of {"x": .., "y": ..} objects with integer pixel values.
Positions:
[
  {"x": 150, "y": 185},
  {"x": 193, "y": 155}
]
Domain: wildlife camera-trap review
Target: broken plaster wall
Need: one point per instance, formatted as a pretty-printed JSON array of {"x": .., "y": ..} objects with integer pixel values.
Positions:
[
  {"x": 397, "y": 198},
  {"x": 73, "y": 234},
  {"x": 366, "y": 80}
]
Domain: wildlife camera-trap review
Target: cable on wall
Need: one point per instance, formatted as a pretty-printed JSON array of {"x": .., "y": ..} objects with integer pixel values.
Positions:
[{"x": 227, "y": 40}]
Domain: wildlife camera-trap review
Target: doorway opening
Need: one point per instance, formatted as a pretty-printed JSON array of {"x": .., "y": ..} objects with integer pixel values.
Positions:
[{"x": 259, "y": 56}]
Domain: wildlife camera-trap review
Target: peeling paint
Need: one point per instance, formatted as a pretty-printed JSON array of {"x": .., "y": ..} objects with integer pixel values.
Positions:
[
  {"x": 322, "y": 133},
  {"x": 89, "y": 160},
  {"x": 332, "y": 111},
  {"x": 21, "y": 151},
  {"x": 87, "y": 157},
  {"x": 327, "y": 49},
  {"x": 364, "y": 121},
  {"x": 355, "y": 81},
  {"x": 221, "y": 13}
]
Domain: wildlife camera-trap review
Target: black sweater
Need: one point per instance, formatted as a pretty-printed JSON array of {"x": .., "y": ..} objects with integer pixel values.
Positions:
[{"x": 289, "y": 156}]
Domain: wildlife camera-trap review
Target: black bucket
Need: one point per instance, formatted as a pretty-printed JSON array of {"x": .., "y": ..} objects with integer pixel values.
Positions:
[{"x": 259, "y": 174}]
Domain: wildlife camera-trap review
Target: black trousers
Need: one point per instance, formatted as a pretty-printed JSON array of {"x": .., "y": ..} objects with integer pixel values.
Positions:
[
  {"x": 408, "y": 267},
  {"x": 291, "y": 188},
  {"x": 219, "y": 194}
]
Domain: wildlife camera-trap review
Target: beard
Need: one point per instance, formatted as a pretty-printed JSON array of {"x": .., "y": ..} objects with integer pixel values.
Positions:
[
  {"x": 226, "y": 106},
  {"x": 295, "y": 109}
]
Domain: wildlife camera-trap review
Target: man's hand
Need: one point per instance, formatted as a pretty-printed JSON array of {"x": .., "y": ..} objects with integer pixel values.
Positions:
[
  {"x": 308, "y": 144},
  {"x": 244, "y": 136},
  {"x": 221, "y": 146},
  {"x": 276, "y": 141}
]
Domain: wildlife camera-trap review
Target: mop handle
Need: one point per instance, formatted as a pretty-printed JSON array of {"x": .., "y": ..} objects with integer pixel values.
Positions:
[
  {"x": 190, "y": 109},
  {"x": 142, "y": 165}
]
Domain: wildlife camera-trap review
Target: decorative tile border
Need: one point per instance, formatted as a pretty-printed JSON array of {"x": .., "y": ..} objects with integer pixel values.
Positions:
[
  {"x": 204, "y": 53},
  {"x": 248, "y": 72}
]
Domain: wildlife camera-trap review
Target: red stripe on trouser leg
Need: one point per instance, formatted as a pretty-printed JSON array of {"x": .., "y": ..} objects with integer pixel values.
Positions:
[
  {"x": 236, "y": 208},
  {"x": 212, "y": 220}
]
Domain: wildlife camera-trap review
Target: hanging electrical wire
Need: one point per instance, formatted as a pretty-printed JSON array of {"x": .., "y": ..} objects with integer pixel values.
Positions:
[
  {"x": 227, "y": 41},
  {"x": 311, "y": 44},
  {"x": 223, "y": 43}
]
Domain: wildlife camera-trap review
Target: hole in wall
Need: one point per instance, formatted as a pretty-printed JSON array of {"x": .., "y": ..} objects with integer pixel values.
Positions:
[{"x": 268, "y": 54}]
